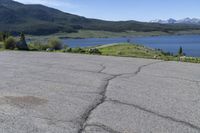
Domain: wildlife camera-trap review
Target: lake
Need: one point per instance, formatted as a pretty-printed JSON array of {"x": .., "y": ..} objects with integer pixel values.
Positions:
[{"x": 190, "y": 43}]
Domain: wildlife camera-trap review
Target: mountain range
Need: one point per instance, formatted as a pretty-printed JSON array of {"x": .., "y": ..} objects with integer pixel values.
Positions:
[
  {"x": 38, "y": 19},
  {"x": 180, "y": 21}
]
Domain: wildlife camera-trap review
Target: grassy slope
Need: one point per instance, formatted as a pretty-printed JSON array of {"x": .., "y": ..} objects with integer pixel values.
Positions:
[{"x": 130, "y": 50}]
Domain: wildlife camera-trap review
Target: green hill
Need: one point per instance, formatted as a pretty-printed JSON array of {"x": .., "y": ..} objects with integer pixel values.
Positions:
[{"x": 42, "y": 20}]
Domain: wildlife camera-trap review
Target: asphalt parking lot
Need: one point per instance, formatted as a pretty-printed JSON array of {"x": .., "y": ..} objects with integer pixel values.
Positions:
[{"x": 72, "y": 93}]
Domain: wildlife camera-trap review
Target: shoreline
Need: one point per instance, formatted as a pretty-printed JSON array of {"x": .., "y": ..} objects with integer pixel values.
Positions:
[
  {"x": 132, "y": 36},
  {"x": 87, "y": 34},
  {"x": 127, "y": 36}
]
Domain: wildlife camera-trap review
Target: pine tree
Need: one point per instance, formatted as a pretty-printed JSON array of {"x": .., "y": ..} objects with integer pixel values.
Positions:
[
  {"x": 180, "y": 52},
  {"x": 22, "y": 45},
  {"x": 22, "y": 37},
  {"x": 4, "y": 36}
]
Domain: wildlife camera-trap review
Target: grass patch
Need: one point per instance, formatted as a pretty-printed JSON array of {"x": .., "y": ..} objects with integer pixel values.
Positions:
[
  {"x": 138, "y": 51},
  {"x": 130, "y": 50}
]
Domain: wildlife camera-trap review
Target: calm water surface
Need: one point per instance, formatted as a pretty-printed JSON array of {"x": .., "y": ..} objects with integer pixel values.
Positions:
[{"x": 190, "y": 43}]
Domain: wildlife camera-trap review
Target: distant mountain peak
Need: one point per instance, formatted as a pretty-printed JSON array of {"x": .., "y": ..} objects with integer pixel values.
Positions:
[{"x": 180, "y": 21}]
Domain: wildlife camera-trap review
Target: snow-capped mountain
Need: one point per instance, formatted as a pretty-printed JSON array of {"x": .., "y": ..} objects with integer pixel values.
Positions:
[{"x": 180, "y": 21}]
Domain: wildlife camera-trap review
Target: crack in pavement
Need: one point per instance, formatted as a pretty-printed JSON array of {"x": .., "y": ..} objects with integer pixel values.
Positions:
[
  {"x": 188, "y": 124},
  {"x": 104, "y": 127},
  {"x": 139, "y": 69},
  {"x": 101, "y": 100},
  {"x": 98, "y": 102},
  {"x": 102, "y": 69}
]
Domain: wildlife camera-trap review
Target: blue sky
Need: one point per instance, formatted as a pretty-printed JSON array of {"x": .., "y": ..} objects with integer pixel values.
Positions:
[{"x": 141, "y": 10}]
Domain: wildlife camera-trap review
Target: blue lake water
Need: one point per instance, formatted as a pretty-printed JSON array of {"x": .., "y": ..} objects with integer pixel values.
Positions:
[{"x": 190, "y": 43}]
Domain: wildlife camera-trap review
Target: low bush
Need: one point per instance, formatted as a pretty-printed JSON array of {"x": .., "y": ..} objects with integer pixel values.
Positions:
[
  {"x": 49, "y": 50},
  {"x": 55, "y": 44},
  {"x": 69, "y": 50},
  {"x": 1, "y": 45},
  {"x": 38, "y": 46},
  {"x": 10, "y": 43},
  {"x": 94, "y": 51},
  {"x": 78, "y": 50}
]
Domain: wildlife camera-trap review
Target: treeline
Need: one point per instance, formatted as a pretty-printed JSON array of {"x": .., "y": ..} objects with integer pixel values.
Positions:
[
  {"x": 34, "y": 28},
  {"x": 123, "y": 26}
]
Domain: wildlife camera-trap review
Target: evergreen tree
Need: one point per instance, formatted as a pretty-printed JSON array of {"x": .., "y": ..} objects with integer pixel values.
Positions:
[
  {"x": 22, "y": 45},
  {"x": 1, "y": 36},
  {"x": 22, "y": 37},
  {"x": 5, "y": 36},
  {"x": 180, "y": 52}
]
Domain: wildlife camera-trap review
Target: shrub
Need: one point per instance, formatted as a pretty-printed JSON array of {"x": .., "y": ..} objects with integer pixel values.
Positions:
[
  {"x": 78, "y": 50},
  {"x": 49, "y": 50},
  {"x": 4, "y": 36},
  {"x": 119, "y": 53},
  {"x": 94, "y": 51},
  {"x": 69, "y": 50},
  {"x": 1, "y": 45},
  {"x": 55, "y": 44},
  {"x": 65, "y": 49},
  {"x": 38, "y": 46},
  {"x": 10, "y": 43}
]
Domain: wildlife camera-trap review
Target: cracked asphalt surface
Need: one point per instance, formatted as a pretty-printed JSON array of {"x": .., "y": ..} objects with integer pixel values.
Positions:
[{"x": 71, "y": 93}]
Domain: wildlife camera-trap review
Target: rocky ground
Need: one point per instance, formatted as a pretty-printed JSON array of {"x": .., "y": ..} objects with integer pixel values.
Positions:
[{"x": 71, "y": 93}]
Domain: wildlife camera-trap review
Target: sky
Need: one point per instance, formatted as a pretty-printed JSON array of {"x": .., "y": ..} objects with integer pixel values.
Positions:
[{"x": 140, "y": 10}]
